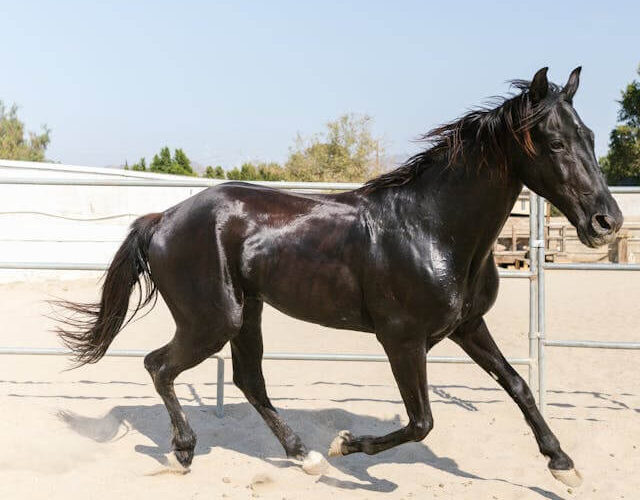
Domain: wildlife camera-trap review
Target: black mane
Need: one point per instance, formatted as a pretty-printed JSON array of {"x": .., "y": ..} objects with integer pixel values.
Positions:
[{"x": 480, "y": 137}]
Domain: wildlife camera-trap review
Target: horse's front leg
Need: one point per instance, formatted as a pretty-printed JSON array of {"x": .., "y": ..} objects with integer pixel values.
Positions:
[
  {"x": 408, "y": 363},
  {"x": 475, "y": 339}
]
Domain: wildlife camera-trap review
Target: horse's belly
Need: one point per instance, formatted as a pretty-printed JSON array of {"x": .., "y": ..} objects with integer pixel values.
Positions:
[
  {"x": 326, "y": 293},
  {"x": 341, "y": 319}
]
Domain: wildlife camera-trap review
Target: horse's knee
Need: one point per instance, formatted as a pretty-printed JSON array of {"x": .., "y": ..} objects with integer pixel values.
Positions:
[
  {"x": 520, "y": 388},
  {"x": 421, "y": 428},
  {"x": 517, "y": 385}
]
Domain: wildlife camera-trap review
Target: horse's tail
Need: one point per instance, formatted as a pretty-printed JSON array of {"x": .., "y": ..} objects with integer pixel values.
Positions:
[{"x": 89, "y": 328}]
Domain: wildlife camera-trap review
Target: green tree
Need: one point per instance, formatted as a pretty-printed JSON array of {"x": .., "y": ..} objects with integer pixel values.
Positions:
[
  {"x": 13, "y": 143},
  {"x": 271, "y": 172},
  {"x": 141, "y": 166},
  {"x": 182, "y": 163},
  {"x": 622, "y": 163},
  {"x": 214, "y": 173},
  {"x": 258, "y": 172},
  {"x": 347, "y": 151},
  {"x": 179, "y": 164},
  {"x": 161, "y": 162},
  {"x": 234, "y": 174},
  {"x": 247, "y": 172}
]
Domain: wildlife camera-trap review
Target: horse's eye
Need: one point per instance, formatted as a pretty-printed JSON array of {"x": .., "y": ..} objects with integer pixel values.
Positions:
[{"x": 556, "y": 145}]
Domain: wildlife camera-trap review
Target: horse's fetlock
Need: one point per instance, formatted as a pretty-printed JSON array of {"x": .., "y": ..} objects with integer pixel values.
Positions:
[
  {"x": 294, "y": 447},
  {"x": 550, "y": 446},
  {"x": 561, "y": 461},
  {"x": 422, "y": 429},
  {"x": 368, "y": 448},
  {"x": 184, "y": 441}
]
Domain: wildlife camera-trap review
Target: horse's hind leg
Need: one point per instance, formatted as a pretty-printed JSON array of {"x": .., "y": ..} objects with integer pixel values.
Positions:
[
  {"x": 246, "y": 350},
  {"x": 477, "y": 342},
  {"x": 164, "y": 365}
]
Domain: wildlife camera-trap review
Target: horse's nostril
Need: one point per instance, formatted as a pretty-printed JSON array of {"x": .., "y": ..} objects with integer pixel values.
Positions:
[{"x": 602, "y": 224}]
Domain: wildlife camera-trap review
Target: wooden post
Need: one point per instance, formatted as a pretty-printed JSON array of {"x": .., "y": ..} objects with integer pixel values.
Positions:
[
  {"x": 622, "y": 243},
  {"x": 547, "y": 234}
]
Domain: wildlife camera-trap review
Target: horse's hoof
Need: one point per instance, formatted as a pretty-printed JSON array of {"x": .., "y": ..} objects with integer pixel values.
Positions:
[
  {"x": 570, "y": 477},
  {"x": 184, "y": 457},
  {"x": 314, "y": 464},
  {"x": 336, "y": 446},
  {"x": 172, "y": 466}
]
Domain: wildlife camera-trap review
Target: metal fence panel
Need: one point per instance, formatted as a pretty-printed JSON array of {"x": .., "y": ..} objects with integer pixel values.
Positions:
[
  {"x": 541, "y": 265},
  {"x": 535, "y": 275}
]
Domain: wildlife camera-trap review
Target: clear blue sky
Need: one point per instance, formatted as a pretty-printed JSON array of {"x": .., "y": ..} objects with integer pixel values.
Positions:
[{"x": 231, "y": 81}]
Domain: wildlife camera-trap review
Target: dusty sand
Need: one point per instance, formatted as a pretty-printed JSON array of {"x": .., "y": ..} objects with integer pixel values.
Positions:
[{"x": 100, "y": 431}]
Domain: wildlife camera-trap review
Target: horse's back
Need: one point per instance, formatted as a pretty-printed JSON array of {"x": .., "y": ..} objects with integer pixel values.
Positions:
[{"x": 301, "y": 253}]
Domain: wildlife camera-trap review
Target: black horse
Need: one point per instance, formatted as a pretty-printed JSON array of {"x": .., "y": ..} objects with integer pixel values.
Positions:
[{"x": 408, "y": 257}]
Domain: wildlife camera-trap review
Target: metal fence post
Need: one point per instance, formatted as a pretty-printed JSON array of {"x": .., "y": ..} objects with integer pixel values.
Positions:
[
  {"x": 541, "y": 306},
  {"x": 220, "y": 388},
  {"x": 533, "y": 282}
]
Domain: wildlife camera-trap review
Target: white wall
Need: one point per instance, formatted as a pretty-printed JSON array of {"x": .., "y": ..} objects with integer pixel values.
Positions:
[
  {"x": 88, "y": 223},
  {"x": 630, "y": 205},
  {"x": 71, "y": 223}
]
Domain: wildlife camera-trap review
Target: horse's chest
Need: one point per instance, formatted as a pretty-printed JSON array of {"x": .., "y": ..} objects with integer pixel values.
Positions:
[
  {"x": 481, "y": 291},
  {"x": 435, "y": 294}
]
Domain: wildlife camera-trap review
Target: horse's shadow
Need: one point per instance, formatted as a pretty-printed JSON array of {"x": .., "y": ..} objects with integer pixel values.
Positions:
[{"x": 242, "y": 431}]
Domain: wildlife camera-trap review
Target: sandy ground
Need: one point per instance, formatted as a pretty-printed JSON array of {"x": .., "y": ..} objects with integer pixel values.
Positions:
[{"x": 101, "y": 431}]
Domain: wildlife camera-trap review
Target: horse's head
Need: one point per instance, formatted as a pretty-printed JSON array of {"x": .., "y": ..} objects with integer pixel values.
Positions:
[{"x": 563, "y": 167}]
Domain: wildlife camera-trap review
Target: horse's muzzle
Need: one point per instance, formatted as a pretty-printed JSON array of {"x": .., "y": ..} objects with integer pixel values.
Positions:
[{"x": 601, "y": 229}]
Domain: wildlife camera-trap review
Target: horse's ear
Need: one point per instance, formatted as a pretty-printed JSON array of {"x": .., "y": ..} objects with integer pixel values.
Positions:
[
  {"x": 539, "y": 86},
  {"x": 570, "y": 88}
]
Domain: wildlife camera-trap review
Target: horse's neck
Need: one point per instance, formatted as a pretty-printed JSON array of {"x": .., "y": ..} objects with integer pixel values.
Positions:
[{"x": 466, "y": 206}]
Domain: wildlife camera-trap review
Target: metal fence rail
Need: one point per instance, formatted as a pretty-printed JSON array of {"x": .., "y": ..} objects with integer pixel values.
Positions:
[
  {"x": 592, "y": 344},
  {"x": 119, "y": 353},
  {"x": 203, "y": 183},
  {"x": 535, "y": 275},
  {"x": 541, "y": 265},
  {"x": 96, "y": 266},
  {"x": 192, "y": 182},
  {"x": 587, "y": 266},
  {"x": 220, "y": 358}
]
